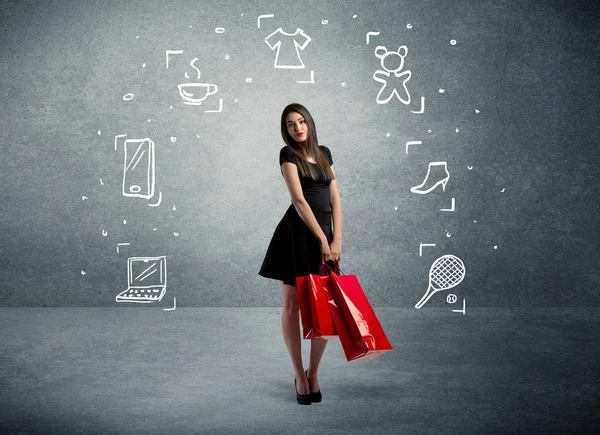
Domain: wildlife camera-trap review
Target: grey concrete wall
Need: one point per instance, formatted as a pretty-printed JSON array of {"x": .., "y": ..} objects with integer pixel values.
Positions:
[{"x": 511, "y": 108}]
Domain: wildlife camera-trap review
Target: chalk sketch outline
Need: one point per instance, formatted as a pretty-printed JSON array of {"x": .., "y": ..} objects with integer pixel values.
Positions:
[
  {"x": 312, "y": 78},
  {"x": 443, "y": 181},
  {"x": 188, "y": 98},
  {"x": 446, "y": 272},
  {"x": 371, "y": 34},
  {"x": 174, "y": 305},
  {"x": 452, "y": 207},
  {"x": 412, "y": 142},
  {"x": 422, "y": 110},
  {"x": 127, "y": 295},
  {"x": 421, "y": 247},
  {"x": 122, "y": 244},
  {"x": 172, "y": 52},
  {"x": 219, "y": 110},
  {"x": 263, "y": 16},
  {"x": 159, "y": 200},
  {"x": 297, "y": 46},
  {"x": 143, "y": 145},
  {"x": 463, "y": 309},
  {"x": 404, "y": 75}
]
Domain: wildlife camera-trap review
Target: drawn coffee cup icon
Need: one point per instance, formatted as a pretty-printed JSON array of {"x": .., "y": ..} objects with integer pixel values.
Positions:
[{"x": 196, "y": 93}]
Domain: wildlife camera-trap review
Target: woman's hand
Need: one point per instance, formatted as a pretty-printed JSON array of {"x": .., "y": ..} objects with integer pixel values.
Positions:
[
  {"x": 325, "y": 250},
  {"x": 335, "y": 250}
]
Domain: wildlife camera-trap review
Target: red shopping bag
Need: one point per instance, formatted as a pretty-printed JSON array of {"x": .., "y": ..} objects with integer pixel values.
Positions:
[
  {"x": 360, "y": 332},
  {"x": 314, "y": 307}
]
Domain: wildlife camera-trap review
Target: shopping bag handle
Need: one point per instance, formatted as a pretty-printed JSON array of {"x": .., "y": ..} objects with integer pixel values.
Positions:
[{"x": 325, "y": 265}]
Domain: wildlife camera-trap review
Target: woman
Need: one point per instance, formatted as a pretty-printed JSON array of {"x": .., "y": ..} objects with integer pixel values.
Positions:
[{"x": 304, "y": 239}]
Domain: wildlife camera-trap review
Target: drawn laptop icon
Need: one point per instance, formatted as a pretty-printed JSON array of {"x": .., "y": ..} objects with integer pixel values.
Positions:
[{"x": 147, "y": 280}]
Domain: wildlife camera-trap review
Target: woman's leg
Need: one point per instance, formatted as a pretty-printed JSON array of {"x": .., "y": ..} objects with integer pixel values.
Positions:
[
  {"x": 290, "y": 324},
  {"x": 317, "y": 347}
]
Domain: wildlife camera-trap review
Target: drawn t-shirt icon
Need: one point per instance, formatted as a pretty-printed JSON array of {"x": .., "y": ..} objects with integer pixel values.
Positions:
[{"x": 288, "y": 57}]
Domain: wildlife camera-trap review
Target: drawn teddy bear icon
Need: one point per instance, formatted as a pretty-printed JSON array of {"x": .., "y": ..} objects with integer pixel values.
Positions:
[{"x": 392, "y": 62}]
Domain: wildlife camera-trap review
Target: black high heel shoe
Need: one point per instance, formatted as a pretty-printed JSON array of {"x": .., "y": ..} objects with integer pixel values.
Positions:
[
  {"x": 314, "y": 397},
  {"x": 302, "y": 399}
]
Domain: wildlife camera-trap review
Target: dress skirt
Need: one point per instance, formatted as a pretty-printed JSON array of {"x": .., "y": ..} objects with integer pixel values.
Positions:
[{"x": 294, "y": 250}]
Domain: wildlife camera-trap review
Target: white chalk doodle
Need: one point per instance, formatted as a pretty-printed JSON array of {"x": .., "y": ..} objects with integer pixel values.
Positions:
[
  {"x": 495, "y": 246},
  {"x": 128, "y": 97},
  {"x": 174, "y": 305},
  {"x": 286, "y": 56},
  {"x": 159, "y": 200},
  {"x": 324, "y": 22},
  {"x": 421, "y": 247},
  {"x": 354, "y": 16},
  {"x": 121, "y": 244},
  {"x": 445, "y": 273},
  {"x": 451, "y": 298},
  {"x": 422, "y": 109},
  {"x": 138, "y": 167},
  {"x": 448, "y": 234},
  {"x": 452, "y": 207},
  {"x": 395, "y": 208},
  {"x": 219, "y": 110},
  {"x": 260, "y": 17},
  {"x": 453, "y": 42},
  {"x": 457, "y": 130},
  {"x": 176, "y": 234},
  {"x": 387, "y": 135},
  {"x": 144, "y": 65},
  {"x": 463, "y": 308},
  {"x": 437, "y": 174},
  {"x": 104, "y": 233},
  {"x": 248, "y": 80},
  {"x": 344, "y": 84},
  {"x": 409, "y": 26},
  {"x": 101, "y": 182},
  {"x": 370, "y": 34},
  {"x": 146, "y": 280},
  {"x": 174, "y": 208},
  {"x": 220, "y": 30},
  {"x": 392, "y": 63},
  {"x": 503, "y": 190},
  {"x": 83, "y": 272},
  {"x": 99, "y": 132},
  {"x": 476, "y": 111},
  {"x": 124, "y": 221},
  {"x": 312, "y": 78},
  {"x": 170, "y": 52},
  {"x": 412, "y": 142},
  {"x": 226, "y": 56},
  {"x": 470, "y": 168},
  {"x": 195, "y": 93},
  {"x": 173, "y": 139},
  {"x": 442, "y": 91},
  {"x": 83, "y": 198}
]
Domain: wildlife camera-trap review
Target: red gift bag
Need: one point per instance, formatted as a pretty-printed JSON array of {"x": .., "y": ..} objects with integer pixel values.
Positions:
[
  {"x": 314, "y": 307},
  {"x": 360, "y": 332}
]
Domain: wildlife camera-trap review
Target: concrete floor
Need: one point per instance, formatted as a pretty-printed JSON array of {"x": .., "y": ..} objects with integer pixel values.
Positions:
[{"x": 143, "y": 370}]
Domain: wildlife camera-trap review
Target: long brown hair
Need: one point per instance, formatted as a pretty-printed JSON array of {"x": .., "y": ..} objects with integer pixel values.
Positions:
[{"x": 310, "y": 145}]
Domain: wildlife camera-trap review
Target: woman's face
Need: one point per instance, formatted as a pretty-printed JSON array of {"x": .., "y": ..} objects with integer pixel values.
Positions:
[{"x": 296, "y": 126}]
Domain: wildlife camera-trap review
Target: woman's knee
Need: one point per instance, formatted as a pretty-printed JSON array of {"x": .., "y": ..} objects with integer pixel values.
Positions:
[{"x": 290, "y": 298}]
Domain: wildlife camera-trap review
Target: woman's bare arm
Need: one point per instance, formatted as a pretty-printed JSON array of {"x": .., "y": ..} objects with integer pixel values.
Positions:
[
  {"x": 292, "y": 181},
  {"x": 336, "y": 208}
]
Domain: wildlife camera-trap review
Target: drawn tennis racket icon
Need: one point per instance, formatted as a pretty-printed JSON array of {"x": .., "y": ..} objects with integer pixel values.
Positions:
[{"x": 446, "y": 272}]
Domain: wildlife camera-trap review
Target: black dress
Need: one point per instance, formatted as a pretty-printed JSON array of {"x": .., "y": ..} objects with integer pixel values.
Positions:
[{"x": 294, "y": 250}]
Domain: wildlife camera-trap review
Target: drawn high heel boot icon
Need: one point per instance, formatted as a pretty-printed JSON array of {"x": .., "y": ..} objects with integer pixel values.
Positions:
[{"x": 433, "y": 178}]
